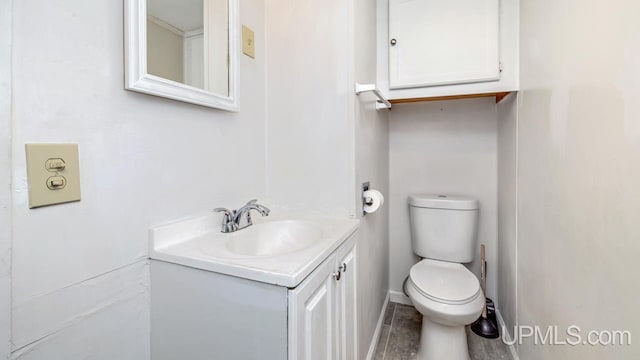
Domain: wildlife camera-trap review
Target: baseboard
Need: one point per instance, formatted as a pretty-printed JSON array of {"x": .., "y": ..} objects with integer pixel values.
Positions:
[
  {"x": 400, "y": 298},
  {"x": 506, "y": 338},
  {"x": 376, "y": 334}
]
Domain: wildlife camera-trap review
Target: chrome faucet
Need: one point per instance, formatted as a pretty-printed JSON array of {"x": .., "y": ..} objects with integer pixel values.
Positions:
[{"x": 231, "y": 219}]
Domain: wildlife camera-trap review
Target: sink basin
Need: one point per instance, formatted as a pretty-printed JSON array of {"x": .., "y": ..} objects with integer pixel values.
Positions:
[
  {"x": 280, "y": 250},
  {"x": 274, "y": 238}
]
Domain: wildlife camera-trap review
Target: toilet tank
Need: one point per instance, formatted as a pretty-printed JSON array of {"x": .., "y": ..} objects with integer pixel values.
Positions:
[{"x": 443, "y": 227}]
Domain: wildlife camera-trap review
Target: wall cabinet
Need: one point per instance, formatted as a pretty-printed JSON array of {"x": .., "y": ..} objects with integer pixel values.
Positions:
[
  {"x": 197, "y": 314},
  {"x": 439, "y": 42},
  {"x": 436, "y": 48}
]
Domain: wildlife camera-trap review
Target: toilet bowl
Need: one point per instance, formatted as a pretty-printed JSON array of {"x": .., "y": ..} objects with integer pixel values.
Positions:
[{"x": 449, "y": 297}]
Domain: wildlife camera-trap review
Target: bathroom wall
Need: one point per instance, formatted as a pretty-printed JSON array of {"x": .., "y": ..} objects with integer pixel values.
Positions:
[
  {"x": 80, "y": 273},
  {"x": 310, "y": 135},
  {"x": 507, "y": 210},
  {"x": 442, "y": 147},
  {"x": 166, "y": 53},
  {"x": 5, "y": 179},
  {"x": 578, "y": 171},
  {"x": 323, "y": 141},
  {"x": 372, "y": 164}
]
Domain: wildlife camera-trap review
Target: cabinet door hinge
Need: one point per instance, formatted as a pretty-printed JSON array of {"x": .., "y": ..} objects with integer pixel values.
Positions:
[{"x": 500, "y": 67}]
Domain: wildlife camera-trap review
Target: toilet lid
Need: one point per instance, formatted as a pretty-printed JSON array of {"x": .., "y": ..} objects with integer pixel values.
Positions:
[{"x": 444, "y": 281}]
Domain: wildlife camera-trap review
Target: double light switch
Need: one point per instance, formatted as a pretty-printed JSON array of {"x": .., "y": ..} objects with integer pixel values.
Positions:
[{"x": 53, "y": 174}]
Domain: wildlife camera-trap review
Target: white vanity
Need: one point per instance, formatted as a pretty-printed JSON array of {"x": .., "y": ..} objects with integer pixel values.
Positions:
[{"x": 284, "y": 288}]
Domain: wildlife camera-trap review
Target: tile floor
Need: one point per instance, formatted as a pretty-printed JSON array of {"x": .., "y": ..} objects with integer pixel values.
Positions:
[{"x": 401, "y": 336}]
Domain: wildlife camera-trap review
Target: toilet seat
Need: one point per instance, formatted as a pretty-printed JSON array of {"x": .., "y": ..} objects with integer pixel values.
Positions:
[{"x": 444, "y": 282}]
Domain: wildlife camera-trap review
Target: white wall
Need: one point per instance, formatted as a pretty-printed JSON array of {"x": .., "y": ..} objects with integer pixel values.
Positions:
[
  {"x": 507, "y": 210},
  {"x": 323, "y": 142},
  {"x": 165, "y": 52},
  {"x": 442, "y": 147},
  {"x": 372, "y": 164},
  {"x": 310, "y": 135},
  {"x": 5, "y": 179},
  {"x": 80, "y": 276},
  {"x": 578, "y": 171}
]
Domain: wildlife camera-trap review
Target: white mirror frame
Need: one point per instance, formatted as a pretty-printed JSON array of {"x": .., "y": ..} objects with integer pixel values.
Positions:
[{"x": 138, "y": 79}]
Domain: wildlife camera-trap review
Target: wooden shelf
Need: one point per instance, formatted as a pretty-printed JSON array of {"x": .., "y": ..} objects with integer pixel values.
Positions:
[{"x": 498, "y": 95}]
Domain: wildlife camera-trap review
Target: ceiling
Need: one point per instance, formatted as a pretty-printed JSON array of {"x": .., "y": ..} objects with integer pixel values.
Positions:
[{"x": 185, "y": 15}]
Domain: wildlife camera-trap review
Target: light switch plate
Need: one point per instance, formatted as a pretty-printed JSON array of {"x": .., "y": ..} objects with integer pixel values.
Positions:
[
  {"x": 53, "y": 174},
  {"x": 248, "y": 42}
]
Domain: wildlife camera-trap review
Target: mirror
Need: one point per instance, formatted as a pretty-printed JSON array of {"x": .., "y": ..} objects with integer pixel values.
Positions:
[{"x": 183, "y": 50}]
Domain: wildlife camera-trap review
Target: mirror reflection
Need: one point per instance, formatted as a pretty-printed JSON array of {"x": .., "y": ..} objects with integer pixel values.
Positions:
[{"x": 188, "y": 42}]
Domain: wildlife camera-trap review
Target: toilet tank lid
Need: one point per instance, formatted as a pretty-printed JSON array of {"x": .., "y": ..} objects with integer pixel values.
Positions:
[{"x": 438, "y": 201}]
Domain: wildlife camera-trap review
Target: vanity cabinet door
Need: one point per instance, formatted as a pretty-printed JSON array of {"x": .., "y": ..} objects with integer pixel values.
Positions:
[
  {"x": 322, "y": 310},
  {"x": 347, "y": 304},
  {"x": 312, "y": 316}
]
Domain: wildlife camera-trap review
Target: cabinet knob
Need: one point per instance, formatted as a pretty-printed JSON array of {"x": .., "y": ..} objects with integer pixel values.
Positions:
[
  {"x": 337, "y": 275},
  {"x": 393, "y": 42},
  {"x": 343, "y": 267}
]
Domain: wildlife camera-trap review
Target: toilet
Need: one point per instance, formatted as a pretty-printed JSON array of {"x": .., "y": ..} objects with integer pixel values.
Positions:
[{"x": 445, "y": 292}]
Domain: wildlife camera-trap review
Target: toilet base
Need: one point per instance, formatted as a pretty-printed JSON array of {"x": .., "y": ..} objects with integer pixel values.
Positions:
[{"x": 439, "y": 342}]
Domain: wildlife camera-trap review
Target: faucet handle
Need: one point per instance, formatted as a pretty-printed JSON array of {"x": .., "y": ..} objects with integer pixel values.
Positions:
[
  {"x": 224, "y": 210},
  {"x": 227, "y": 216},
  {"x": 228, "y": 224}
]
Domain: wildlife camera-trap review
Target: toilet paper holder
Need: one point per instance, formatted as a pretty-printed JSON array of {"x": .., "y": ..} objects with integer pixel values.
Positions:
[
  {"x": 372, "y": 199},
  {"x": 365, "y": 200}
]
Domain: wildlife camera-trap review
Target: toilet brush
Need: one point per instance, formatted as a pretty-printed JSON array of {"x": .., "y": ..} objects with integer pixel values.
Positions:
[{"x": 483, "y": 326}]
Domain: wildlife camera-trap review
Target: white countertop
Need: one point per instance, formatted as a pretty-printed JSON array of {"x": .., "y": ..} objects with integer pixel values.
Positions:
[{"x": 198, "y": 243}]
